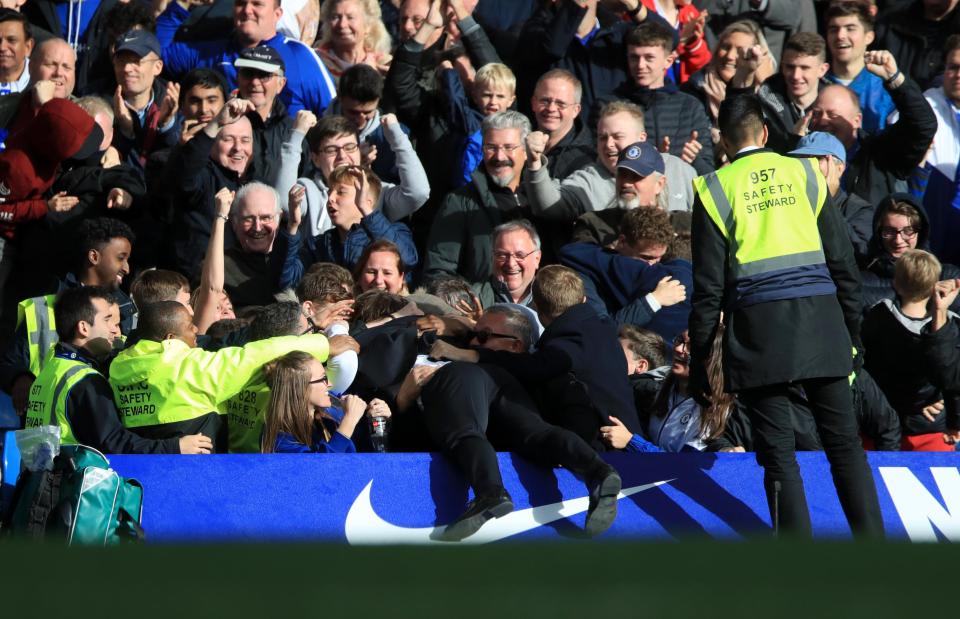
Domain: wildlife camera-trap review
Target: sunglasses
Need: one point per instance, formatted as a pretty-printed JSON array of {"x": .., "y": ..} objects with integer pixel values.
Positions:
[{"x": 484, "y": 336}]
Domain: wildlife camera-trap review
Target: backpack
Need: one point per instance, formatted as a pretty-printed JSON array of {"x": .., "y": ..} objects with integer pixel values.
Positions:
[{"x": 81, "y": 499}]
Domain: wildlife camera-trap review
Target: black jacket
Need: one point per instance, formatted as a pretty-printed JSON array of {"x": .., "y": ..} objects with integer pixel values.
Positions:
[
  {"x": 575, "y": 150},
  {"x": 668, "y": 112},
  {"x": 94, "y": 62},
  {"x": 858, "y": 215},
  {"x": 579, "y": 373},
  {"x": 93, "y": 415},
  {"x": 892, "y": 155},
  {"x": 197, "y": 178},
  {"x": 916, "y": 43},
  {"x": 778, "y": 341},
  {"x": 268, "y": 138},
  {"x": 894, "y": 356},
  {"x": 941, "y": 350},
  {"x": 877, "y": 274}
]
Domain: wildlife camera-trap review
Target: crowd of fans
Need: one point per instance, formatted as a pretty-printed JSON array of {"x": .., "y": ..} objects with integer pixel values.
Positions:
[{"x": 259, "y": 223}]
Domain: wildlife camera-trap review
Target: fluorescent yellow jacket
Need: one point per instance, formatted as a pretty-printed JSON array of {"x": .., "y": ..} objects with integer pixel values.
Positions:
[
  {"x": 156, "y": 383},
  {"x": 47, "y": 404}
]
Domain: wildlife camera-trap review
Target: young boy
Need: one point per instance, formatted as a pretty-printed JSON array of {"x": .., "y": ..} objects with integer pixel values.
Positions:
[
  {"x": 493, "y": 90},
  {"x": 894, "y": 357},
  {"x": 849, "y": 32},
  {"x": 354, "y": 192}
]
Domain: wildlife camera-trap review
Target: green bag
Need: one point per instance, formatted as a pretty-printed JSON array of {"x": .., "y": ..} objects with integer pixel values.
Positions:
[{"x": 82, "y": 499}]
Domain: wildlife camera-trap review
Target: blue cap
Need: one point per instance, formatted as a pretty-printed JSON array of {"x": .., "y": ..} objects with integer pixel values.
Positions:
[
  {"x": 820, "y": 144},
  {"x": 140, "y": 42},
  {"x": 641, "y": 158}
]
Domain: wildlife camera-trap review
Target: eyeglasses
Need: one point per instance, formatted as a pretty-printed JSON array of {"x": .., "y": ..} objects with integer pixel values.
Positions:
[
  {"x": 313, "y": 328},
  {"x": 546, "y": 102},
  {"x": 250, "y": 220},
  {"x": 323, "y": 380},
  {"x": 493, "y": 149},
  {"x": 892, "y": 233},
  {"x": 519, "y": 256},
  {"x": 682, "y": 342},
  {"x": 335, "y": 150},
  {"x": 265, "y": 78},
  {"x": 484, "y": 336}
]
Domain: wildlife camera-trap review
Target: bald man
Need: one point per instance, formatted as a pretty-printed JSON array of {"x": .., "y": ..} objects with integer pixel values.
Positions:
[{"x": 877, "y": 165}]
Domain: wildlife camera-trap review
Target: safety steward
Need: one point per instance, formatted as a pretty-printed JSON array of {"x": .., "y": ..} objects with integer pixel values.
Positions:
[
  {"x": 770, "y": 253},
  {"x": 72, "y": 394},
  {"x": 165, "y": 386}
]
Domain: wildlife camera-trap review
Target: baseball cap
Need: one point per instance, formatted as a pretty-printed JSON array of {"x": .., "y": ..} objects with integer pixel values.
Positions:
[
  {"x": 820, "y": 144},
  {"x": 140, "y": 42},
  {"x": 260, "y": 58},
  {"x": 641, "y": 158}
]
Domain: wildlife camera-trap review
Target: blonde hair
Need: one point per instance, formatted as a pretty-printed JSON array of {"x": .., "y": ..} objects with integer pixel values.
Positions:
[
  {"x": 625, "y": 107},
  {"x": 347, "y": 174},
  {"x": 376, "y": 39},
  {"x": 915, "y": 274},
  {"x": 556, "y": 289},
  {"x": 496, "y": 75},
  {"x": 289, "y": 410}
]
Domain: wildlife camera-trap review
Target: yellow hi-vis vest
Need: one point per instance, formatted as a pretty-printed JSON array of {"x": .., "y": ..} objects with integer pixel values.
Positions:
[
  {"x": 47, "y": 404},
  {"x": 37, "y": 315},
  {"x": 766, "y": 206},
  {"x": 246, "y": 413}
]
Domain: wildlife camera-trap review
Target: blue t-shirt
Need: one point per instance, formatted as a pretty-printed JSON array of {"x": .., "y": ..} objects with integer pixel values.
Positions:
[{"x": 875, "y": 101}]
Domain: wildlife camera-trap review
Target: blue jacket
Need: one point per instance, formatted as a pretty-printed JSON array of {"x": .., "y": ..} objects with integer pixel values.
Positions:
[
  {"x": 616, "y": 286},
  {"x": 286, "y": 444},
  {"x": 309, "y": 85},
  {"x": 327, "y": 247},
  {"x": 465, "y": 121},
  {"x": 875, "y": 101}
]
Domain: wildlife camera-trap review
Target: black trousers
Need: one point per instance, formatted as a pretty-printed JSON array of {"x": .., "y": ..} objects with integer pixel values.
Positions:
[
  {"x": 463, "y": 402},
  {"x": 832, "y": 405}
]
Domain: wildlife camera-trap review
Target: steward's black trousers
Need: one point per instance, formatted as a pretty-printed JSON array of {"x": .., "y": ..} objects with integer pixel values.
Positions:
[
  {"x": 769, "y": 410},
  {"x": 464, "y": 402}
]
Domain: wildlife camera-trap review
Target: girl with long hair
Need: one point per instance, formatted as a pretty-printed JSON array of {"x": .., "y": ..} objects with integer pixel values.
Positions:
[{"x": 302, "y": 417}]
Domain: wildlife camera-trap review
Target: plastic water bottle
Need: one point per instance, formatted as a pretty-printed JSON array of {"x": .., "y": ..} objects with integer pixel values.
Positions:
[{"x": 378, "y": 434}]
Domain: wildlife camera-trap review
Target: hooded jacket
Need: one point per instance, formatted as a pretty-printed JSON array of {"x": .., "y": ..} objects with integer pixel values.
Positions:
[
  {"x": 33, "y": 156},
  {"x": 877, "y": 276}
]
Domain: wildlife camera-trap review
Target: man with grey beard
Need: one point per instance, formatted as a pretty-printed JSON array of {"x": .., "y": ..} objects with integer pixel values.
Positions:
[
  {"x": 460, "y": 240},
  {"x": 641, "y": 183}
]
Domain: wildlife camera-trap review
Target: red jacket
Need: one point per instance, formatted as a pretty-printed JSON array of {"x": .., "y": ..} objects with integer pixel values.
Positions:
[
  {"x": 693, "y": 56},
  {"x": 29, "y": 165}
]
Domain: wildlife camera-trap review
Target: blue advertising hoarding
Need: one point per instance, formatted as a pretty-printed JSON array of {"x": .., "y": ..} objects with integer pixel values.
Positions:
[{"x": 408, "y": 498}]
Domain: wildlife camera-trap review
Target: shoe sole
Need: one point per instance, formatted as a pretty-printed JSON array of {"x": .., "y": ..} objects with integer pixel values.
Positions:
[
  {"x": 604, "y": 512},
  {"x": 465, "y": 528}
]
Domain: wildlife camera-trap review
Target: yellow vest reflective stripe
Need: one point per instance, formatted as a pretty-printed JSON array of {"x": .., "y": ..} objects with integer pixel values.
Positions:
[
  {"x": 47, "y": 404},
  {"x": 37, "y": 316},
  {"x": 246, "y": 413},
  {"x": 766, "y": 206}
]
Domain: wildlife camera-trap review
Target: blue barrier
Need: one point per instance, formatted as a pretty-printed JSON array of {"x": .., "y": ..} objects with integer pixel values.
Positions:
[{"x": 407, "y": 498}]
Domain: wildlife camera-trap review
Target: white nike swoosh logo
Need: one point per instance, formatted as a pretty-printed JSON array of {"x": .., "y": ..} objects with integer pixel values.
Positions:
[{"x": 364, "y": 526}]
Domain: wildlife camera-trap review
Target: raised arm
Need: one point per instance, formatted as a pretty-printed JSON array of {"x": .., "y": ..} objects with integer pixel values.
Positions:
[{"x": 212, "y": 276}]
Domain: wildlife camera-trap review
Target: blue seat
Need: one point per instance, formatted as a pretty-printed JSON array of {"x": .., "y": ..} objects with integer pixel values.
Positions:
[{"x": 9, "y": 466}]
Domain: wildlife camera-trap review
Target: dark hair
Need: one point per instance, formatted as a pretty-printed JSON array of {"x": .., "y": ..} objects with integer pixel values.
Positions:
[
  {"x": 952, "y": 44},
  {"x": 807, "y": 44},
  {"x": 325, "y": 282},
  {"x": 157, "y": 285},
  {"x": 204, "y": 78},
  {"x": 645, "y": 344},
  {"x": 97, "y": 232},
  {"x": 843, "y": 9},
  {"x": 76, "y": 304},
  {"x": 651, "y": 34},
  {"x": 274, "y": 320},
  {"x": 11, "y": 15},
  {"x": 330, "y": 127},
  {"x": 362, "y": 83},
  {"x": 740, "y": 118},
  {"x": 225, "y": 326},
  {"x": 647, "y": 224},
  {"x": 375, "y": 304},
  {"x": 157, "y": 320},
  {"x": 126, "y": 16},
  {"x": 452, "y": 289},
  {"x": 681, "y": 247},
  {"x": 894, "y": 204}
]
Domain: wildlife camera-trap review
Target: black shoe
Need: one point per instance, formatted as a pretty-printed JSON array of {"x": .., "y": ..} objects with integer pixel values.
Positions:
[
  {"x": 479, "y": 511},
  {"x": 604, "y": 489}
]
